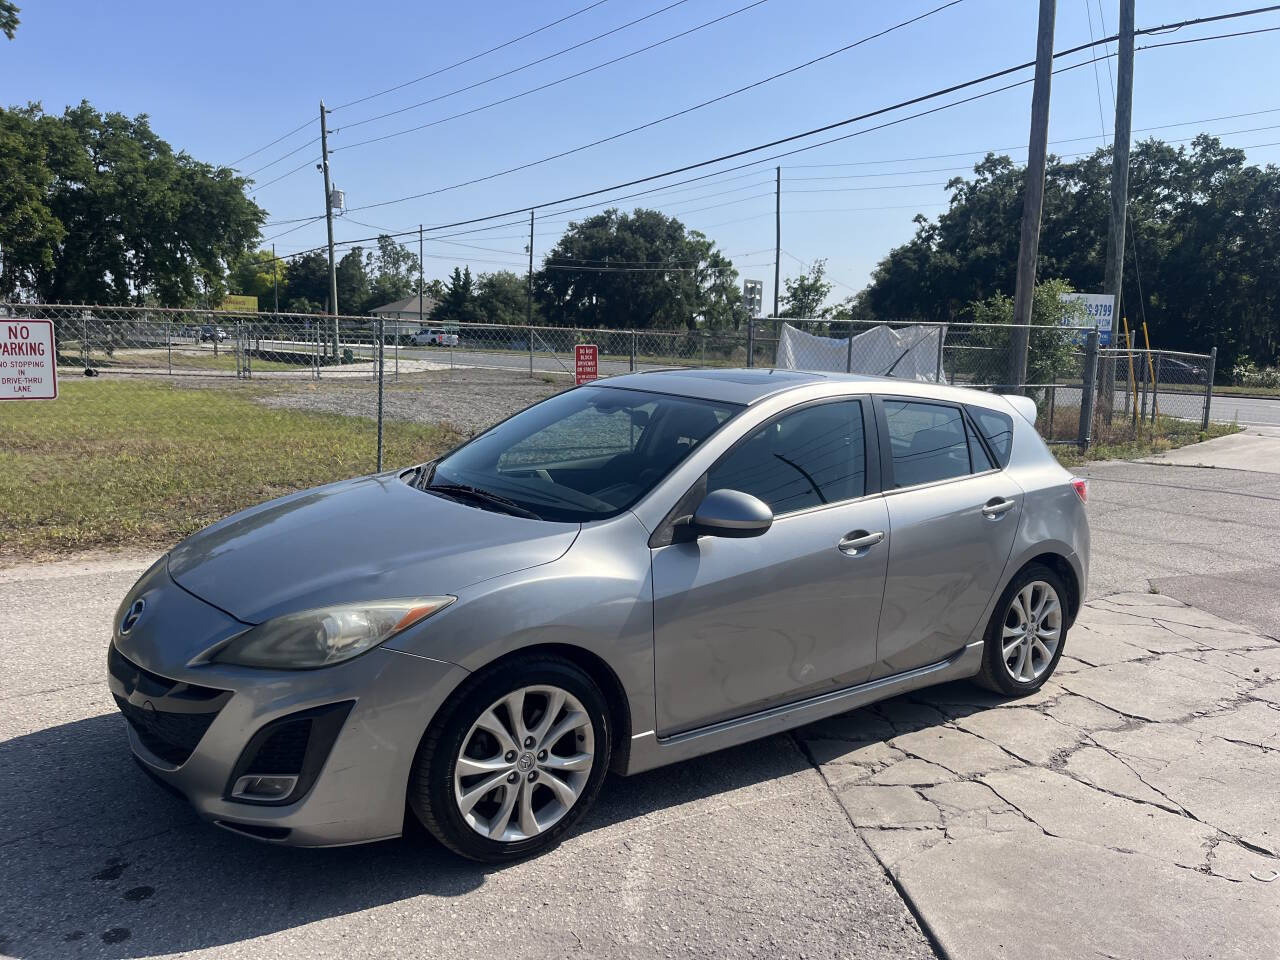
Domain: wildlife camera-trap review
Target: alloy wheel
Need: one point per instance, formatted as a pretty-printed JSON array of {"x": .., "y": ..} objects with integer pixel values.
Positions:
[
  {"x": 1032, "y": 631},
  {"x": 524, "y": 763}
]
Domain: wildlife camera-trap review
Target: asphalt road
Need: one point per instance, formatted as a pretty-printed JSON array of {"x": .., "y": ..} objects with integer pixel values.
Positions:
[{"x": 747, "y": 853}]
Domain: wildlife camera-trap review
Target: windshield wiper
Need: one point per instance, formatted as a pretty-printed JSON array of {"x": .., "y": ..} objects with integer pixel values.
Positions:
[{"x": 482, "y": 496}]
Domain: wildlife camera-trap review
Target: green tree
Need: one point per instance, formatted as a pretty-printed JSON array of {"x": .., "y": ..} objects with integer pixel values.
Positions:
[
  {"x": 30, "y": 234},
  {"x": 1051, "y": 352},
  {"x": 1200, "y": 262},
  {"x": 807, "y": 293},
  {"x": 257, "y": 274},
  {"x": 353, "y": 283},
  {"x": 458, "y": 305},
  {"x": 308, "y": 287},
  {"x": 8, "y": 18},
  {"x": 503, "y": 297},
  {"x": 639, "y": 270},
  {"x": 393, "y": 273},
  {"x": 136, "y": 222}
]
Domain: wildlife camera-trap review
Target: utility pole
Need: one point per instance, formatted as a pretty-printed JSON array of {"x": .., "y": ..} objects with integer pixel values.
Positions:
[
  {"x": 1033, "y": 200},
  {"x": 777, "y": 239},
  {"x": 275, "y": 277},
  {"x": 528, "y": 309},
  {"x": 1113, "y": 279},
  {"x": 422, "y": 290},
  {"x": 328, "y": 218}
]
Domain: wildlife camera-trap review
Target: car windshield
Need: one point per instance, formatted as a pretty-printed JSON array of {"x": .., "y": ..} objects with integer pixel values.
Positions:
[{"x": 585, "y": 454}]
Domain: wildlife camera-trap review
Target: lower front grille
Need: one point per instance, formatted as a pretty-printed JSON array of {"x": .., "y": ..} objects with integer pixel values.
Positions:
[{"x": 169, "y": 717}]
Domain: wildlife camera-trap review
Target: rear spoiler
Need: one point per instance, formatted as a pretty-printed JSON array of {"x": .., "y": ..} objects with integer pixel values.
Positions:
[{"x": 1024, "y": 405}]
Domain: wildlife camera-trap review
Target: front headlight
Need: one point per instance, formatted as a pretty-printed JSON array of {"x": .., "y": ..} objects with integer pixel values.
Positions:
[{"x": 329, "y": 635}]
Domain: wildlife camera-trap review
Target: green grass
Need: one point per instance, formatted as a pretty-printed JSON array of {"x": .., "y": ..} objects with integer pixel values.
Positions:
[
  {"x": 128, "y": 464},
  {"x": 1122, "y": 441}
]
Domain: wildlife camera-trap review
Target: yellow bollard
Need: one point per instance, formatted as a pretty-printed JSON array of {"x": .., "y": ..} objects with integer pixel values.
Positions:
[
  {"x": 1128, "y": 340},
  {"x": 1151, "y": 373}
]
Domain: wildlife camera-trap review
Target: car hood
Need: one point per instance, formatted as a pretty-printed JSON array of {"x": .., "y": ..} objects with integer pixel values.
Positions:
[{"x": 372, "y": 538}]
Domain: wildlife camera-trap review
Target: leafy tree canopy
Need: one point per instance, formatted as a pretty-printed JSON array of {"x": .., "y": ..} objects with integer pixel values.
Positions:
[
  {"x": 637, "y": 271},
  {"x": 806, "y": 293},
  {"x": 1204, "y": 224},
  {"x": 106, "y": 212}
]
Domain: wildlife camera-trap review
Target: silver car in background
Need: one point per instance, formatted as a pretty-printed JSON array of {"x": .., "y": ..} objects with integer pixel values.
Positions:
[{"x": 625, "y": 575}]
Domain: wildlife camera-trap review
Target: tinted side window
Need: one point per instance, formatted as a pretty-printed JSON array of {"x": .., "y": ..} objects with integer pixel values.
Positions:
[
  {"x": 813, "y": 456},
  {"x": 998, "y": 429},
  {"x": 977, "y": 453},
  {"x": 928, "y": 442}
]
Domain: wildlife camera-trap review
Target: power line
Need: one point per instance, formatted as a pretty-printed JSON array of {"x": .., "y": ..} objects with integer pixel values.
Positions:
[
  {"x": 878, "y": 112},
  {"x": 470, "y": 59},
  {"x": 525, "y": 36},
  {"x": 514, "y": 70},
  {"x": 671, "y": 116}
]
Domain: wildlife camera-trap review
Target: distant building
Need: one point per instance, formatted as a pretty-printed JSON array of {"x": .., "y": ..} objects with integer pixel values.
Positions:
[
  {"x": 401, "y": 317},
  {"x": 410, "y": 308}
]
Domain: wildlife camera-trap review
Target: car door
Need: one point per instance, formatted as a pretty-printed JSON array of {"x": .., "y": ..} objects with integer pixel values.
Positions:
[
  {"x": 953, "y": 514},
  {"x": 744, "y": 624}
]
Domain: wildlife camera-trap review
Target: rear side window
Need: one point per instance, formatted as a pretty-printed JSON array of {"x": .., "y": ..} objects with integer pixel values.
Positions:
[
  {"x": 977, "y": 453},
  {"x": 997, "y": 428},
  {"x": 928, "y": 442},
  {"x": 813, "y": 456}
]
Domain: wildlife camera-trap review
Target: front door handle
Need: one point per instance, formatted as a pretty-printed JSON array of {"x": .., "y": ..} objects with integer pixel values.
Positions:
[
  {"x": 997, "y": 507},
  {"x": 854, "y": 543}
]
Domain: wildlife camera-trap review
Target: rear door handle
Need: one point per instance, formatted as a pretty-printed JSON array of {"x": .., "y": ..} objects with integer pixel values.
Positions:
[
  {"x": 852, "y": 544},
  {"x": 997, "y": 507}
]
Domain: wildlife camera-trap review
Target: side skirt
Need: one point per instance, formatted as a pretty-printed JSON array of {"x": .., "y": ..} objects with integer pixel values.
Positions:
[{"x": 648, "y": 750}]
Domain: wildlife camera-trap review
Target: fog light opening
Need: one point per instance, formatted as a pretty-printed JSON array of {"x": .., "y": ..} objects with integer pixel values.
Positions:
[{"x": 258, "y": 787}]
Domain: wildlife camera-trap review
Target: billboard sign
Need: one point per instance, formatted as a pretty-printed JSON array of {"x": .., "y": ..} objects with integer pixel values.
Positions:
[
  {"x": 235, "y": 303},
  {"x": 28, "y": 365},
  {"x": 1098, "y": 310}
]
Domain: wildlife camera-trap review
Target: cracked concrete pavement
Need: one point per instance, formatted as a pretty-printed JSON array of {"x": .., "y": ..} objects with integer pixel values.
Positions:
[{"x": 1127, "y": 809}]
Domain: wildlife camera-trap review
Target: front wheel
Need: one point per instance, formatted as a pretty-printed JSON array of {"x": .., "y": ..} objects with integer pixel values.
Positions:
[
  {"x": 514, "y": 760},
  {"x": 1026, "y": 634}
]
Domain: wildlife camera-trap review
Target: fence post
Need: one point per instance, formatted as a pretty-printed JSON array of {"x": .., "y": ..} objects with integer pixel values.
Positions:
[
  {"x": 848, "y": 350},
  {"x": 1208, "y": 388},
  {"x": 633, "y": 351},
  {"x": 1155, "y": 390},
  {"x": 1053, "y": 400},
  {"x": 1088, "y": 388},
  {"x": 168, "y": 342},
  {"x": 381, "y": 374},
  {"x": 942, "y": 375},
  {"x": 751, "y": 343},
  {"x": 531, "y": 353}
]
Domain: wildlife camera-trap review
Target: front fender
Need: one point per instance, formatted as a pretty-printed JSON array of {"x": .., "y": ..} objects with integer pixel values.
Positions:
[{"x": 597, "y": 597}]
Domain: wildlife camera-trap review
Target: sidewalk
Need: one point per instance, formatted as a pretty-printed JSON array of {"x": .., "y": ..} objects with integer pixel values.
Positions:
[
  {"x": 1125, "y": 810},
  {"x": 1256, "y": 449}
]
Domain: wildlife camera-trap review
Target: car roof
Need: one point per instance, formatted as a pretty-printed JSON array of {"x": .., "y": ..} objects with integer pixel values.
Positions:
[{"x": 748, "y": 386}]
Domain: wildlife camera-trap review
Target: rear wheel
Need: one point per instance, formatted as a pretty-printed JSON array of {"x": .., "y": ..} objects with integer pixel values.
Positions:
[
  {"x": 1026, "y": 634},
  {"x": 514, "y": 761}
]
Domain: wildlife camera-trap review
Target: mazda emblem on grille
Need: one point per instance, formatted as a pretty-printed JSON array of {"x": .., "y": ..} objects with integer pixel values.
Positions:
[{"x": 131, "y": 618}]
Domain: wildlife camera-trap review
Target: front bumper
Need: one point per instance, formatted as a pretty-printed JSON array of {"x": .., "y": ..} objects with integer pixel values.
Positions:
[{"x": 188, "y": 726}]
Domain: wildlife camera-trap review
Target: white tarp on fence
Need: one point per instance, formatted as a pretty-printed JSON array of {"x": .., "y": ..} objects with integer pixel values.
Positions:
[{"x": 909, "y": 353}]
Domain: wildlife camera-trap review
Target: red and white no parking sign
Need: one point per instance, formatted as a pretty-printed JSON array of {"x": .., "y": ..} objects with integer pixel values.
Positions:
[{"x": 28, "y": 366}]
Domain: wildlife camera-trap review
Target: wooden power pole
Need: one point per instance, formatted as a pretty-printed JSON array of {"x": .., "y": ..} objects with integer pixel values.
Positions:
[
  {"x": 328, "y": 219},
  {"x": 1033, "y": 200},
  {"x": 777, "y": 240},
  {"x": 1113, "y": 277}
]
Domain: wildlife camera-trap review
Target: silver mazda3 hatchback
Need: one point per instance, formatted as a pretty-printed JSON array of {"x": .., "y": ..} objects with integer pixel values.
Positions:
[{"x": 622, "y": 576}]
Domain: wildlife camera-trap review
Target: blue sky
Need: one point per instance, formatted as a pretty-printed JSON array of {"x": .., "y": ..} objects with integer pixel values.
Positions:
[{"x": 220, "y": 80}]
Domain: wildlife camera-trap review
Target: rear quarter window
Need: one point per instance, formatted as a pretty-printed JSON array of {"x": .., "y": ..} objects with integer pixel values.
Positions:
[{"x": 997, "y": 429}]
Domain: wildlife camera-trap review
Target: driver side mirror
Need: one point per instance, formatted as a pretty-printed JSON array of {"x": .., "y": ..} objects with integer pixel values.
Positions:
[{"x": 730, "y": 513}]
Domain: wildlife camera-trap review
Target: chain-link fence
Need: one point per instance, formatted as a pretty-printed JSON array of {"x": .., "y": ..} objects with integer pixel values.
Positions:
[{"x": 203, "y": 412}]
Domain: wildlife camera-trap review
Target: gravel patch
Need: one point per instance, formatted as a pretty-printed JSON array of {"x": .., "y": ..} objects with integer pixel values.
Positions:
[{"x": 467, "y": 400}]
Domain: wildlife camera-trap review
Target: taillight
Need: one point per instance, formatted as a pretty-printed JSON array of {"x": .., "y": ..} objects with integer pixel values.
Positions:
[{"x": 1081, "y": 487}]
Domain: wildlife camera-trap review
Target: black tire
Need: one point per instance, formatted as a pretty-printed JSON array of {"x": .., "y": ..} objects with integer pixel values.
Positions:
[
  {"x": 431, "y": 782},
  {"x": 995, "y": 675}
]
